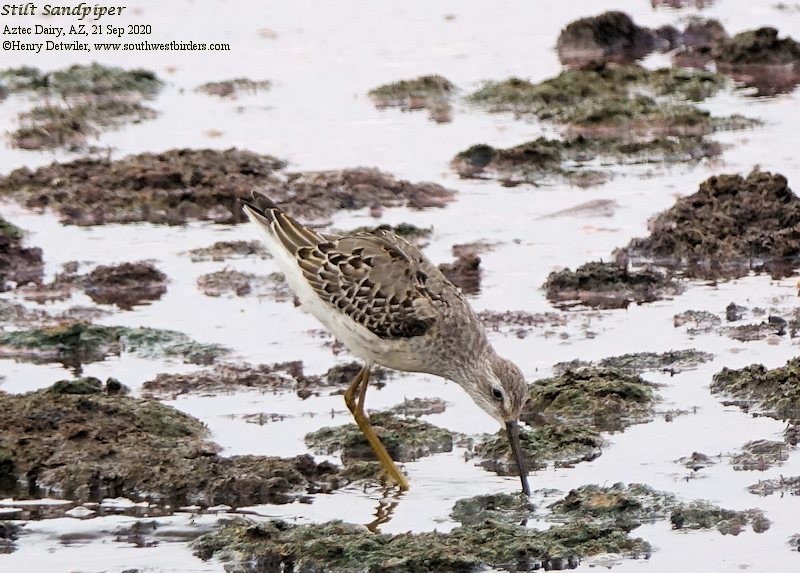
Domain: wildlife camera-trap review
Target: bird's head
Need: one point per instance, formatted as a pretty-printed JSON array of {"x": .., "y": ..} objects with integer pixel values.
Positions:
[{"x": 499, "y": 388}]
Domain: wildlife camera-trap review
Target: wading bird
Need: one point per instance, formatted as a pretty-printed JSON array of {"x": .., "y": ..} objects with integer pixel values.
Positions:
[{"x": 389, "y": 305}]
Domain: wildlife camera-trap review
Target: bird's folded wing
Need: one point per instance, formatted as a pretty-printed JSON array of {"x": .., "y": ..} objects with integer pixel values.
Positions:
[{"x": 376, "y": 278}]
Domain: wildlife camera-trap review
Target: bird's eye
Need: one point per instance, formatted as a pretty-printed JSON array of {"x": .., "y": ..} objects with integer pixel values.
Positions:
[{"x": 497, "y": 393}]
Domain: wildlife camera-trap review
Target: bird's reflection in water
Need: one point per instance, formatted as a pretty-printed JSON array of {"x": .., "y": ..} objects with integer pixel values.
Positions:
[{"x": 385, "y": 508}]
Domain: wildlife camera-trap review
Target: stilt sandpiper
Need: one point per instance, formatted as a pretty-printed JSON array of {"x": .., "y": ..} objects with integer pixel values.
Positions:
[{"x": 389, "y": 305}]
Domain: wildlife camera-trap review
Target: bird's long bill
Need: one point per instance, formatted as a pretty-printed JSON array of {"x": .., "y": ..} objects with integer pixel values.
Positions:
[{"x": 516, "y": 449}]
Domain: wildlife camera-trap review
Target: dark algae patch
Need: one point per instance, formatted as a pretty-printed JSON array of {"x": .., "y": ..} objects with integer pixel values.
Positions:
[
  {"x": 464, "y": 272},
  {"x": 125, "y": 285},
  {"x": 774, "y": 392},
  {"x": 77, "y": 343},
  {"x": 609, "y": 37},
  {"x": 405, "y": 439},
  {"x": 18, "y": 265},
  {"x": 9, "y": 532},
  {"x": 182, "y": 185},
  {"x": 605, "y": 398},
  {"x": 85, "y": 441},
  {"x": 608, "y": 285},
  {"x": 730, "y": 226},
  {"x": 276, "y": 546},
  {"x": 761, "y": 59},
  {"x": 432, "y": 92}
]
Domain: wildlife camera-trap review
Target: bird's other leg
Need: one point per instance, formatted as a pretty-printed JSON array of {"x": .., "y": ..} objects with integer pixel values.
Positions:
[{"x": 356, "y": 406}]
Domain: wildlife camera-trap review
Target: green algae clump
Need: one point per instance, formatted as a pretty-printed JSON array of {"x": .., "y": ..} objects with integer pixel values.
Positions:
[
  {"x": 500, "y": 507},
  {"x": 775, "y": 392},
  {"x": 345, "y": 548},
  {"x": 83, "y": 441},
  {"x": 626, "y": 506},
  {"x": 560, "y": 444},
  {"x": 77, "y": 343},
  {"x": 405, "y": 439},
  {"x": 611, "y": 100},
  {"x": 605, "y": 398}
]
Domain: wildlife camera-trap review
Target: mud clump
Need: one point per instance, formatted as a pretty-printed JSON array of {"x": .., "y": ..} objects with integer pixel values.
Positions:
[
  {"x": 561, "y": 445},
  {"x": 233, "y": 88},
  {"x": 611, "y": 37},
  {"x": 125, "y": 285},
  {"x": 182, "y": 185},
  {"x": 96, "y": 97},
  {"x": 621, "y": 101},
  {"x": 701, "y": 515},
  {"x": 405, "y": 439},
  {"x": 77, "y": 343},
  {"x": 774, "y": 392},
  {"x": 730, "y": 226},
  {"x": 696, "y": 321},
  {"x": 237, "y": 283},
  {"x": 607, "y": 285},
  {"x": 337, "y": 546},
  {"x": 604, "y": 398},
  {"x": 92, "y": 444},
  {"x": 760, "y": 455},
  {"x": 225, "y": 250},
  {"x": 464, "y": 272},
  {"x": 543, "y": 158},
  {"x": 625, "y": 506},
  {"x": 18, "y": 265},
  {"x": 425, "y": 92}
]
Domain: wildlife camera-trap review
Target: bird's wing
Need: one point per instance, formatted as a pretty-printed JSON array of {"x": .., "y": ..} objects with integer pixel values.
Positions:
[{"x": 376, "y": 278}]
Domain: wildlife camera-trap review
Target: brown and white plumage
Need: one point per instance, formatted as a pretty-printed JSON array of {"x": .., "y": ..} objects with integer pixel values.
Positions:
[{"x": 381, "y": 297}]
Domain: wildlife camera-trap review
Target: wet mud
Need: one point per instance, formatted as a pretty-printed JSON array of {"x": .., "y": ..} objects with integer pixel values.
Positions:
[{"x": 230, "y": 282}]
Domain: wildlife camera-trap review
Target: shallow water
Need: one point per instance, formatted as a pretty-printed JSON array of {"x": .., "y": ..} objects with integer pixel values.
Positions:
[{"x": 322, "y": 61}]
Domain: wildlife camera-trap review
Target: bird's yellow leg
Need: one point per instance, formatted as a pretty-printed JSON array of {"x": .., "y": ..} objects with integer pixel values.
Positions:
[{"x": 356, "y": 407}]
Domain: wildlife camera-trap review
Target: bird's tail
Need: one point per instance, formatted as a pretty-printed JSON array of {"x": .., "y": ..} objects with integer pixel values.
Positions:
[{"x": 289, "y": 232}]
